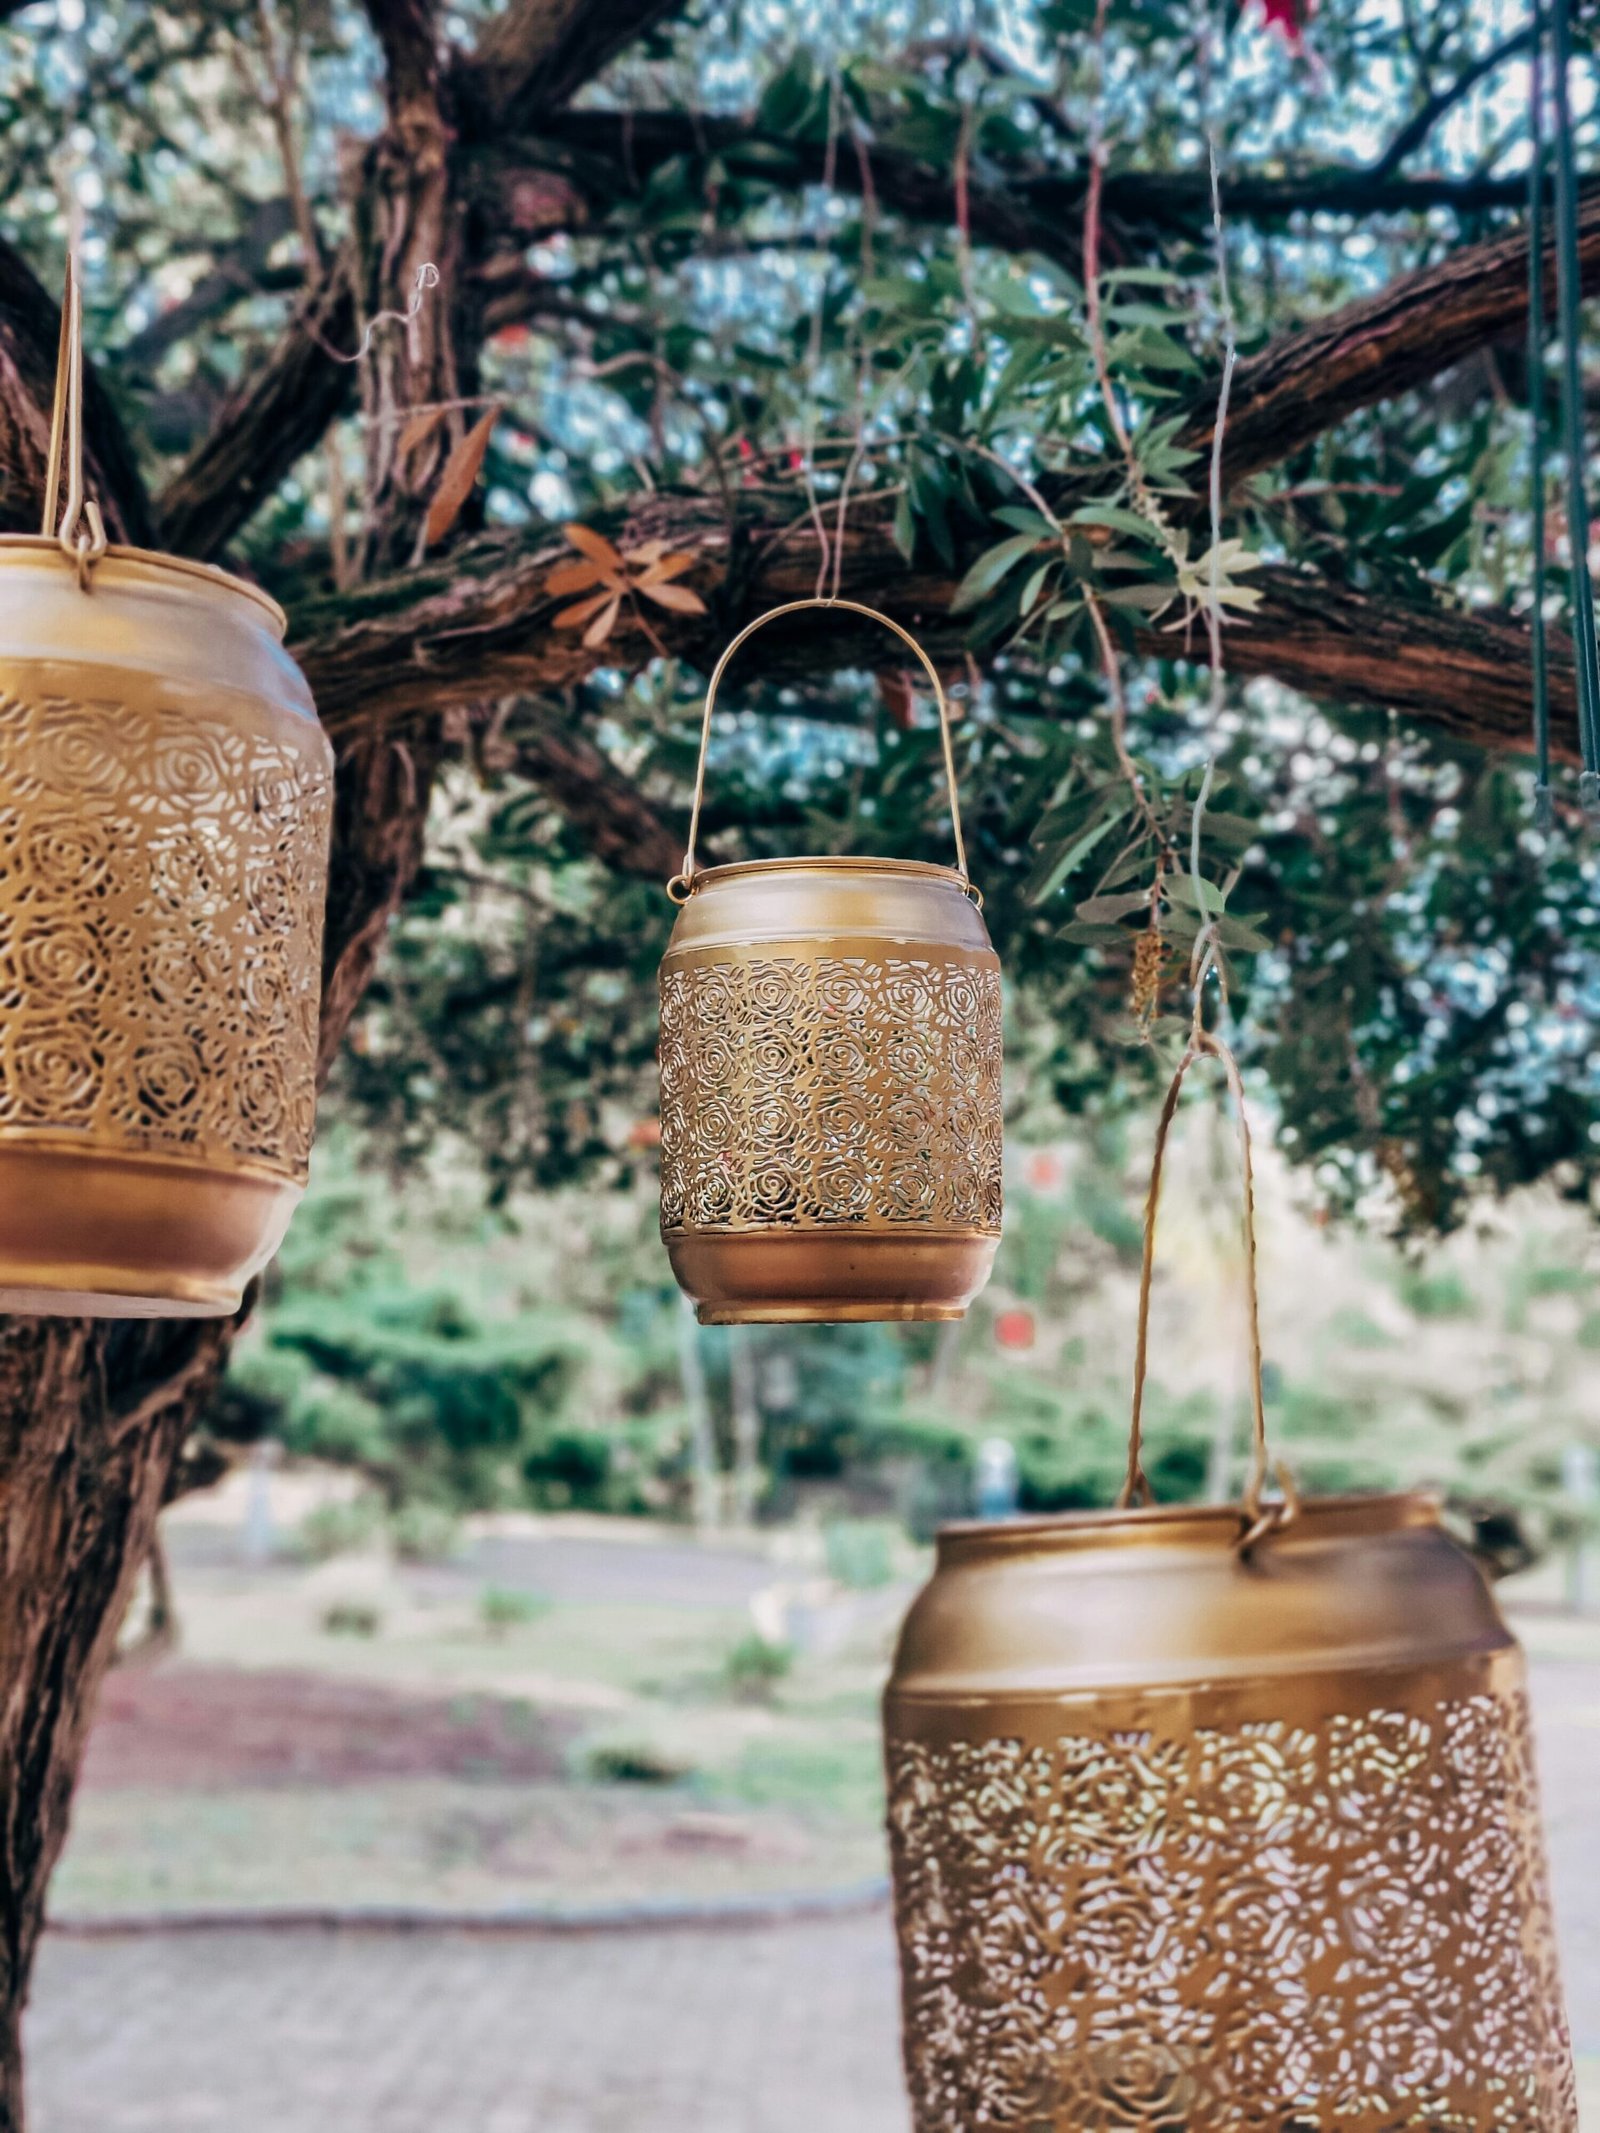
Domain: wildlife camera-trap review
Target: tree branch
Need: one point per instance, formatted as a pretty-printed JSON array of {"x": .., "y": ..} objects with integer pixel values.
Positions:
[
  {"x": 1412, "y": 330},
  {"x": 30, "y": 330},
  {"x": 538, "y": 53},
  {"x": 1417, "y": 128},
  {"x": 279, "y": 414}
]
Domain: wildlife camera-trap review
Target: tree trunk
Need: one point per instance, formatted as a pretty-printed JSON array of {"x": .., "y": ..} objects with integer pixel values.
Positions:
[{"x": 91, "y": 1416}]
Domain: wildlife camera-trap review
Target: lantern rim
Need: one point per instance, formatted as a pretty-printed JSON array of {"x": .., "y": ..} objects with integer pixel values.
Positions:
[
  {"x": 1181, "y": 1525},
  {"x": 156, "y": 562},
  {"x": 829, "y": 862}
]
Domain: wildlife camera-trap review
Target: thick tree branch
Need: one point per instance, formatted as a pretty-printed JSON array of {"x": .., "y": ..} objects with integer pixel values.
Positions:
[
  {"x": 482, "y": 627},
  {"x": 405, "y": 648},
  {"x": 30, "y": 328},
  {"x": 281, "y": 411},
  {"x": 538, "y": 53},
  {"x": 1412, "y": 330},
  {"x": 608, "y": 155}
]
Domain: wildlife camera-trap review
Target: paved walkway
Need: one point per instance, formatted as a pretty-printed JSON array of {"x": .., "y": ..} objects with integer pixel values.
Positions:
[{"x": 766, "y": 2030}]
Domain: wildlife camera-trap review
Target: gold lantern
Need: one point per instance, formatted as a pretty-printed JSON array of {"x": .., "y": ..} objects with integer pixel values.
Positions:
[
  {"x": 165, "y": 802},
  {"x": 830, "y": 1076},
  {"x": 1209, "y": 1819}
]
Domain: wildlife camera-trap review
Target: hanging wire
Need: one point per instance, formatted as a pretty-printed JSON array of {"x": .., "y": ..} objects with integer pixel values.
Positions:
[
  {"x": 1543, "y": 808},
  {"x": 1567, "y": 284}
]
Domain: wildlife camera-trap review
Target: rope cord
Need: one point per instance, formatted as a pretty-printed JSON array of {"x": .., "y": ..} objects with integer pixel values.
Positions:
[{"x": 1259, "y": 1517}]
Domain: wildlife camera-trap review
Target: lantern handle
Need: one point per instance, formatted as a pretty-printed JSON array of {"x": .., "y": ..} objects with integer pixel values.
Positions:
[
  {"x": 80, "y": 528},
  {"x": 681, "y": 886},
  {"x": 1259, "y": 1516}
]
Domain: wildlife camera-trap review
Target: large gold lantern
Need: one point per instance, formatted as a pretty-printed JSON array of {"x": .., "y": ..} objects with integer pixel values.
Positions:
[
  {"x": 165, "y": 800},
  {"x": 1210, "y": 1819},
  {"x": 830, "y": 1076}
]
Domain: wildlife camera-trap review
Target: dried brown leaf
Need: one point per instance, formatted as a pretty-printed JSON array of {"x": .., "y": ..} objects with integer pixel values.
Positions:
[
  {"x": 459, "y": 478},
  {"x": 600, "y": 628},
  {"x": 577, "y": 578},
  {"x": 422, "y": 424},
  {"x": 677, "y": 597},
  {"x": 670, "y": 566},
  {"x": 580, "y": 611},
  {"x": 595, "y": 546}
]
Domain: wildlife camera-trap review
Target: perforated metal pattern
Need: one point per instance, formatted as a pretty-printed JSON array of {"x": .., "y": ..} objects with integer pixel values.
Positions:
[
  {"x": 1330, "y": 1927},
  {"x": 162, "y": 878},
  {"x": 806, "y": 1089}
]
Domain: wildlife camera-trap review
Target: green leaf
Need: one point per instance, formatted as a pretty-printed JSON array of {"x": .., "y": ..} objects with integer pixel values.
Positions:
[
  {"x": 1100, "y": 910},
  {"x": 1118, "y": 520},
  {"x": 1034, "y": 587},
  {"x": 987, "y": 572},
  {"x": 1054, "y": 866},
  {"x": 1195, "y": 891},
  {"x": 1090, "y": 936},
  {"x": 905, "y": 527},
  {"x": 1236, "y": 830},
  {"x": 1239, "y": 933},
  {"x": 1026, "y": 520}
]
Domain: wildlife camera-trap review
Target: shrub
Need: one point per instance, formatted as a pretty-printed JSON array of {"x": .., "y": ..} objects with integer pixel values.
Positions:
[
  {"x": 860, "y": 1552},
  {"x": 756, "y": 1665},
  {"x": 331, "y": 1529},
  {"x": 503, "y": 1607},
  {"x": 630, "y": 1763},
  {"x": 352, "y": 1618},
  {"x": 424, "y": 1533}
]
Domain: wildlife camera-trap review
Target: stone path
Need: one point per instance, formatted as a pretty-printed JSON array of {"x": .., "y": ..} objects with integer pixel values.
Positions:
[{"x": 734, "y": 2030}]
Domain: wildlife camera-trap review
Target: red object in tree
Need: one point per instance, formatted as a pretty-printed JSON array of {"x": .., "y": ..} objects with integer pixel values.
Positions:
[
  {"x": 1045, "y": 1170},
  {"x": 1292, "y": 17},
  {"x": 1014, "y": 1329}
]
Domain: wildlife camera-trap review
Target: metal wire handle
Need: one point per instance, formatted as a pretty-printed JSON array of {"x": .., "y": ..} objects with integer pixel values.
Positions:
[
  {"x": 681, "y": 887},
  {"x": 80, "y": 529},
  {"x": 1259, "y": 1517}
]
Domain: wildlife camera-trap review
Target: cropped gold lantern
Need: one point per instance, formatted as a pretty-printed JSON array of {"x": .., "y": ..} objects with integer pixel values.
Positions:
[
  {"x": 165, "y": 801},
  {"x": 1210, "y": 1819},
  {"x": 830, "y": 1076}
]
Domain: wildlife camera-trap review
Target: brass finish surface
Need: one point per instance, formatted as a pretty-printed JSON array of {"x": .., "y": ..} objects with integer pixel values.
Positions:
[
  {"x": 165, "y": 805},
  {"x": 830, "y": 1093},
  {"x": 830, "y": 1073},
  {"x": 1185, "y": 1839}
]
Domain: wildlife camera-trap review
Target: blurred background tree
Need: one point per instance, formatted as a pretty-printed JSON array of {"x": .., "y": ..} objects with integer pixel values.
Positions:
[{"x": 525, "y": 351}]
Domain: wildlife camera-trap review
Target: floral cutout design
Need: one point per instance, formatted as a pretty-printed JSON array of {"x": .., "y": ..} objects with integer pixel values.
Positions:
[
  {"x": 162, "y": 879},
  {"x": 1333, "y": 1928},
  {"x": 807, "y": 1090}
]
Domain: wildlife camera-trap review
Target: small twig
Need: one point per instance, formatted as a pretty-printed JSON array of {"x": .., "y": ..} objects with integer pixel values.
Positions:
[{"x": 427, "y": 278}]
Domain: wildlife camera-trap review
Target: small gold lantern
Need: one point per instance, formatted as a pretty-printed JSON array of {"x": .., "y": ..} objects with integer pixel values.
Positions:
[
  {"x": 1205, "y": 1819},
  {"x": 830, "y": 1076},
  {"x": 165, "y": 805}
]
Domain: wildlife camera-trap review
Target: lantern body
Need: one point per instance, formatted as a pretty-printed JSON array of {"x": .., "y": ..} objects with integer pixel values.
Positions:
[
  {"x": 1191, "y": 1843},
  {"x": 165, "y": 802},
  {"x": 830, "y": 1092}
]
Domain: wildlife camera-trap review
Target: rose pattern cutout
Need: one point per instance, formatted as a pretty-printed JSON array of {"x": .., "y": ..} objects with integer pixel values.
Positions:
[
  {"x": 805, "y": 1090},
  {"x": 161, "y": 885},
  {"x": 1153, "y": 1929}
]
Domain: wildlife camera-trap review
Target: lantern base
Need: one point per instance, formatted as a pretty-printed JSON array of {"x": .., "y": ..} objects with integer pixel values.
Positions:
[
  {"x": 87, "y": 1233},
  {"x": 824, "y": 1314},
  {"x": 829, "y": 1276}
]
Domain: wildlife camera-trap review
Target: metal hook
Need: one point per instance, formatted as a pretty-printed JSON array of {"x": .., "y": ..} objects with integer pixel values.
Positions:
[{"x": 80, "y": 529}]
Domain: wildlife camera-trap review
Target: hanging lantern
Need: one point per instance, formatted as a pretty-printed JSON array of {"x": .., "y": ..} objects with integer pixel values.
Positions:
[
  {"x": 165, "y": 799},
  {"x": 830, "y": 1076},
  {"x": 1208, "y": 1819}
]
